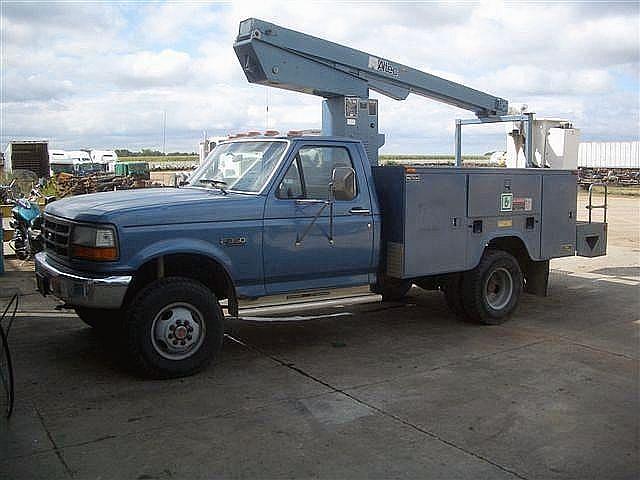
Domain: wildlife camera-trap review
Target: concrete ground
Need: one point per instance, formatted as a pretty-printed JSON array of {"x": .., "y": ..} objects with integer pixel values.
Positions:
[{"x": 397, "y": 390}]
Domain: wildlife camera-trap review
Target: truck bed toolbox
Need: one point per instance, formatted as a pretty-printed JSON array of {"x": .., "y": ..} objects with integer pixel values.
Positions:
[{"x": 439, "y": 220}]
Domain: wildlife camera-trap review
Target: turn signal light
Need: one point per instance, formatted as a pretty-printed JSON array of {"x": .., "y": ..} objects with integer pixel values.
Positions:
[{"x": 100, "y": 254}]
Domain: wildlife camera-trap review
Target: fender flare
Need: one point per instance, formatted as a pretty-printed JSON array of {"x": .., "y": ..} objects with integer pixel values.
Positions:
[
  {"x": 183, "y": 246},
  {"x": 486, "y": 241}
]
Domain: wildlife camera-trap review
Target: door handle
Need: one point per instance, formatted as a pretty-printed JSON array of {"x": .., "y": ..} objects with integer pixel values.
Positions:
[{"x": 360, "y": 211}]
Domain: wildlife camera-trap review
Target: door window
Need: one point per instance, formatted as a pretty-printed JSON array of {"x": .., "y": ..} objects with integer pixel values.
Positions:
[
  {"x": 291, "y": 185},
  {"x": 310, "y": 173}
]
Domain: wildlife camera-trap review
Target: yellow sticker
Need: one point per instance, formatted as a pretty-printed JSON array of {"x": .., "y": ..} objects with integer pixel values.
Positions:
[
  {"x": 567, "y": 247},
  {"x": 505, "y": 223}
]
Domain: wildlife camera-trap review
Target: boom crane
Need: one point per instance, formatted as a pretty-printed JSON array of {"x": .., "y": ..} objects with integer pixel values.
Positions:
[{"x": 279, "y": 57}]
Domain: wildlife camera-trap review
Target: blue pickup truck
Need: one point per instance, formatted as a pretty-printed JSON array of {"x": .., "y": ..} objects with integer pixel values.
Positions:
[{"x": 273, "y": 221}]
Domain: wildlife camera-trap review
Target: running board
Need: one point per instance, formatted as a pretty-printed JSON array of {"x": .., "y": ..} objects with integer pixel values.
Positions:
[{"x": 309, "y": 300}]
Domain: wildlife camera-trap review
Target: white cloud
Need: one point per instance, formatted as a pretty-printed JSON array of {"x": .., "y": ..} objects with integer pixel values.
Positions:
[
  {"x": 530, "y": 80},
  {"x": 35, "y": 87},
  {"x": 170, "y": 21},
  {"x": 58, "y": 26},
  {"x": 143, "y": 69}
]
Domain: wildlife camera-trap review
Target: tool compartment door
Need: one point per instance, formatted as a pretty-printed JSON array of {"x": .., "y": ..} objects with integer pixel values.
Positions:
[
  {"x": 558, "y": 233},
  {"x": 435, "y": 223}
]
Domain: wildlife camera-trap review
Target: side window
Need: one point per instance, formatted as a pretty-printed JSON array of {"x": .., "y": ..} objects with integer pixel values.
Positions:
[
  {"x": 317, "y": 165},
  {"x": 291, "y": 185}
]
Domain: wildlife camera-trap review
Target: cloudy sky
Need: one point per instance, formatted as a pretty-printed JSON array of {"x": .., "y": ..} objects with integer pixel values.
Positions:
[{"x": 100, "y": 75}]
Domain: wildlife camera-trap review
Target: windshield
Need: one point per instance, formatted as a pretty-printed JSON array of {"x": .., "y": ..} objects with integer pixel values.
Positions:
[
  {"x": 242, "y": 166},
  {"x": 61, "y": 168},
  {"x": 88, "y": 168}
]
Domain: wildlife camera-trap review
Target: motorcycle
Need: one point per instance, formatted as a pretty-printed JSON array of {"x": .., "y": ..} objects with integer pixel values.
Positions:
[{"x": 26, "y": 221}]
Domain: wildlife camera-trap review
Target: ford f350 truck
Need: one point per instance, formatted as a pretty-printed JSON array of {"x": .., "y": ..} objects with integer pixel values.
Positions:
[{"x": 293, "y": 220}]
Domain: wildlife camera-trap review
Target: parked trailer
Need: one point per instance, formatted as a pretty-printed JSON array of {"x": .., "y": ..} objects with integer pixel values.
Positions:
[{"x": 28, "y": 155}]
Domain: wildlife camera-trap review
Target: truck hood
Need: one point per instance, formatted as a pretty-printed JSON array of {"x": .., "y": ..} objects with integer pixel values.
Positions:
[{"x": 153, "y": 206}]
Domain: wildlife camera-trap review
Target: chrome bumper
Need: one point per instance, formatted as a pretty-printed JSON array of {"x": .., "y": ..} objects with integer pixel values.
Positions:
[{"x": 79, "y": 290}]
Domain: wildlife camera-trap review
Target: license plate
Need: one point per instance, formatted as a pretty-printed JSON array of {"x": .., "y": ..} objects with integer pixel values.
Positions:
[{"x": 42, "y": 284}]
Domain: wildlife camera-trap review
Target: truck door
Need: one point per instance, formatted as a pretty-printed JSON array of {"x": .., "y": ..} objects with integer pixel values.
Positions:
[{"x": 299, "y": 253}]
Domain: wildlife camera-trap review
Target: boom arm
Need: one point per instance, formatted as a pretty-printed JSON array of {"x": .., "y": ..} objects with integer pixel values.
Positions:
[{"x": 278, "y": 57}]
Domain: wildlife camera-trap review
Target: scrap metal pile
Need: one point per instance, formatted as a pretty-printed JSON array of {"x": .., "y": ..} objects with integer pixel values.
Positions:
[
  {"x": 624, "y": 177},
  {"x": 68, "y": 185}
]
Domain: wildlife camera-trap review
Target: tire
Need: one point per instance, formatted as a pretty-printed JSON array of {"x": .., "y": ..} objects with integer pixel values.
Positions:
[
  {"x": 392, "y": 289},
  {"x": 100, "y": 319},
  {"x": 175, "y": 328},
  {"x": 491, "y": 291},
  {"x": 452, "y": 290}
]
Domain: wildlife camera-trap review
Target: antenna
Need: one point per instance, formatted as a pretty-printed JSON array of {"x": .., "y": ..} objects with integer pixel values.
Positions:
[
  {"x": 266, "y": 127},
  {"x": 164, "y": 132}
]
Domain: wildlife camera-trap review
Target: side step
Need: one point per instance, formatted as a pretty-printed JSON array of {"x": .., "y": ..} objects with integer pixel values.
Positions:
[{"x": 308, "y": 300}]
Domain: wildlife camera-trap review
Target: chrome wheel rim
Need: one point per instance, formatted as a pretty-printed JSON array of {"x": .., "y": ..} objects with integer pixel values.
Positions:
[
  {"x": 177, "y": 331},
  {"x": 498, "y": 288}
]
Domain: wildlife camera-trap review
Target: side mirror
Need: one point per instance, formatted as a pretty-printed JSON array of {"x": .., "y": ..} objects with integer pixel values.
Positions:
[{"x": 343, "y": 181}]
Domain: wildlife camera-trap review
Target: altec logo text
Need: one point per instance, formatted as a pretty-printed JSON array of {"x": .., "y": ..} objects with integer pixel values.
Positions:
[{"x": 383, "y": 65}]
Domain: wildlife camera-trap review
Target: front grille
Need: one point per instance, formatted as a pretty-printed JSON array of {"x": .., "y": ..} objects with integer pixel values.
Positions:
[{"x": 56, "y": 235}]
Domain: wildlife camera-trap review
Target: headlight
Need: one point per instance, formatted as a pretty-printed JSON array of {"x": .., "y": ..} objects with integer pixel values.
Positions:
[{"x": 94, "y": 243}]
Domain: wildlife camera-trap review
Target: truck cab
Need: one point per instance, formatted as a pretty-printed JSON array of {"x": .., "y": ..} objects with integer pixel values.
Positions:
[
  {"x": 259, "y": 218},
  {"x": 75, "y": 162},
  {"x": 103, "y": 160}
]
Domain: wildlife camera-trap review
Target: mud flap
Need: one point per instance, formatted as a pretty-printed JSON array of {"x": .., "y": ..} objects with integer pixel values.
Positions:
[{"x": 536, "y": 278}]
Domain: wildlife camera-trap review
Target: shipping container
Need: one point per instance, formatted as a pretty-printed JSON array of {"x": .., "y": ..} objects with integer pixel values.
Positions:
[{"x": 28, "y": 155}]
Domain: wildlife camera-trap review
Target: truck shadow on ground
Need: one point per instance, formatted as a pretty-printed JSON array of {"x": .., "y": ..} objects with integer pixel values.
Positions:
[
  {"x": 73, "y": 347},
  {"x": 420, "y": 325}
]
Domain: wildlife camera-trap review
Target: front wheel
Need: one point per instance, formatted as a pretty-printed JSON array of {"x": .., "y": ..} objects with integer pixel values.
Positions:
[
  {"x": 175, "y": 328},
  {"x": 491, "y": 291}
]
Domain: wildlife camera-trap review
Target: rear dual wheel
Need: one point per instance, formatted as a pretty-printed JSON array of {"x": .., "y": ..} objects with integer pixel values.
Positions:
[
  {"x": 490, "y": 292},
  {"x": 452, "y": 289}
]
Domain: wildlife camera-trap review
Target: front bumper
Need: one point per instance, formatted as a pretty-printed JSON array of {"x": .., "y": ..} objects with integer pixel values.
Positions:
[{"x": 79, "y": 290}]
